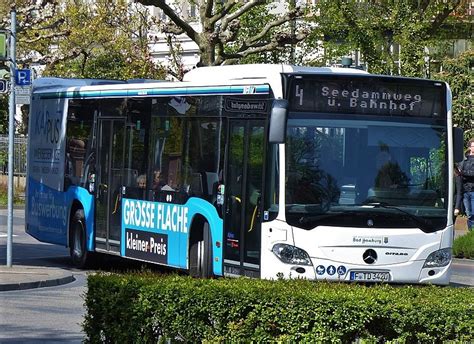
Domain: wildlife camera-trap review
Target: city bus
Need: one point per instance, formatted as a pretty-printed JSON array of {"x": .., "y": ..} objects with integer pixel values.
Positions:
[{"x": 264, "y": 171}]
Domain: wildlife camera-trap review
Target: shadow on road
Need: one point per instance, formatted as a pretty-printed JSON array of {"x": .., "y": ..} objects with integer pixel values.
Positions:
[{"x": 53, "y": 256}]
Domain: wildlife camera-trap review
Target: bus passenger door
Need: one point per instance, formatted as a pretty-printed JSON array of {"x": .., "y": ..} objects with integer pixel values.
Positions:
[
  {"x": 243, "y": 187},
  {"x": 109, "y": 169}
]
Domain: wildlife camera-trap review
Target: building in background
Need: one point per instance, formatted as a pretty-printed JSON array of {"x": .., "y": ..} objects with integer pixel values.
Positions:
[{"x": 160, "y": 42}]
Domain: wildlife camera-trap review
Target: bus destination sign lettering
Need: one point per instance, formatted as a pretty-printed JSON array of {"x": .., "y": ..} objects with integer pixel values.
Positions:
[
  {"x": 370, "y": 100},
  {"x": 368, "y": 95}
]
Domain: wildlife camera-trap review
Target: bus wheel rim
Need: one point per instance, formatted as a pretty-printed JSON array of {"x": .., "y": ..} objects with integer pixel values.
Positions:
[{"x": 77, "y": 241}]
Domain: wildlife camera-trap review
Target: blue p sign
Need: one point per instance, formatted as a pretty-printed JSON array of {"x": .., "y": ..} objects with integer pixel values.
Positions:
[{"x": 23, "y": 77}]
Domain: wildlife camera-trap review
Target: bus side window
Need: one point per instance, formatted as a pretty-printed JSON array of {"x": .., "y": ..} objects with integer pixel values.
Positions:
[
  {"x": 137, "y": 189},
  {"x": 78, "y": 134}
]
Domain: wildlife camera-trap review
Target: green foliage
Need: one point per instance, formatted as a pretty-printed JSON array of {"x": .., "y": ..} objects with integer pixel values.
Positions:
[
  {"x": 4, "y": 117},
  {"x": 22, "y": 126},
  {"x": 106, "y": 40},
  {"x": 458, "y": 73},
  {"x": 255, "y": 20},
  {"x": 111, "y": 42},
  {"x": 251, "y": 22},
  {"x": 463, "y": 246},
  {"x": 146, "y": 308},
  {"x": 3, "y": 114},
  {"x": 371, "y": 27}
]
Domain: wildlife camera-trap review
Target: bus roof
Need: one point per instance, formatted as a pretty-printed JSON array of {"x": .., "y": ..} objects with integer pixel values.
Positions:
[
  {"x": 263, "y": 73},
  {"x": 251, "y": 74},
  {"x": 259, "y": 71},
  {"x": 52, "y": 82}
]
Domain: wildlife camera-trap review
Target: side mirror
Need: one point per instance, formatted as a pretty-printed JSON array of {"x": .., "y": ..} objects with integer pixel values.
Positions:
[
  {"x": 278, "y": 116},
  {"x": 458, "y": 144}
]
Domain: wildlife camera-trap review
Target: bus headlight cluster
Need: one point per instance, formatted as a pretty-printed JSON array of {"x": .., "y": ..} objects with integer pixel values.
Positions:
[
  {"x": 438, "y": 258},
  {"x": 289, "y": 254}
]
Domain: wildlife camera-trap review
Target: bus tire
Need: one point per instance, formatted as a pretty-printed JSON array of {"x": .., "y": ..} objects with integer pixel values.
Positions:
[
  {"x": 79, "y": 255},
  {"x": 200, "y": 255}
]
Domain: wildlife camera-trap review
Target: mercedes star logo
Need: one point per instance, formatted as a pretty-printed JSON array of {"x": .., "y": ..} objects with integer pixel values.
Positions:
[{"x": 369, "y": 256}]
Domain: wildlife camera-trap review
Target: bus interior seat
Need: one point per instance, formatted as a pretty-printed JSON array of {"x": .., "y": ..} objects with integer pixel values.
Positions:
[
  {"x": 135, "y": 192},
  {"x": 196, "y": 184},
  {"x": 212, "y": 179}
]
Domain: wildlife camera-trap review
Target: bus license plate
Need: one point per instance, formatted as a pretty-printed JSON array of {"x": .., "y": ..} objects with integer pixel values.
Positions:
[{"x": 370, "y": 276}]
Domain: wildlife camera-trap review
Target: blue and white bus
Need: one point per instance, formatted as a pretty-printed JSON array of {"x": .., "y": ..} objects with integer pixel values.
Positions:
[{"x": 249, "y": 170}]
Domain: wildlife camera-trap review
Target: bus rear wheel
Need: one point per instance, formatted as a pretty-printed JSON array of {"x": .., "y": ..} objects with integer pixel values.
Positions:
[
  {"x": 200, "y": 255},
  {"x": 77, "y": 248}
]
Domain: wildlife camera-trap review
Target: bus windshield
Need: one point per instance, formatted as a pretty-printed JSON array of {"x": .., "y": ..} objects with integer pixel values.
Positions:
[{"x": 365, "y": 172}]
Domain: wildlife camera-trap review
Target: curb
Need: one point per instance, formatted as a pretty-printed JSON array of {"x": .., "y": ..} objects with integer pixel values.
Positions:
[
  {"x": 15, "y": 207},
  {"x": 37, "y": 284}
]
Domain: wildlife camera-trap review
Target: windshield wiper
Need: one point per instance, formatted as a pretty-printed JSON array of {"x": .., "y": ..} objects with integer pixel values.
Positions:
[{"x": 425, "y": 225}]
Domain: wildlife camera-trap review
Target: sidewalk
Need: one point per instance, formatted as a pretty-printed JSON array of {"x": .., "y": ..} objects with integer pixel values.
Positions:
[{"x": 27, "y": 277}]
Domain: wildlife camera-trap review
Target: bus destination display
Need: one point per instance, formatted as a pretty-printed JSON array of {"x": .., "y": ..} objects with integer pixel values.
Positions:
[{"x": 367, "y": 95}]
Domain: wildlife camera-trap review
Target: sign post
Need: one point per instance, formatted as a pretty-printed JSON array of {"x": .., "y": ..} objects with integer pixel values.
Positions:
[
  {"x": 23, "y": 77},
  {"x": 22, "y": 94},
  {"x": 23, "y": 86},
  {"x": 11, "y": 137}
]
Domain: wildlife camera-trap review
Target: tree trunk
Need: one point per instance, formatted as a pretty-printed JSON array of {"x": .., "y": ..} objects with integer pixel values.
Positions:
[{"x": 207, "y": 50}]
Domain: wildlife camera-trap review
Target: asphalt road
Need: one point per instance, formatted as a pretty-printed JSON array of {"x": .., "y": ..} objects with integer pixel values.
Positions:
[{"x": 43, "y": 315}]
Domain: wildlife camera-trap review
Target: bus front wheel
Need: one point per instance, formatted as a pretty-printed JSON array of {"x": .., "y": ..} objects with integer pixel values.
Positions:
[
  {"x": 200, "y": 254},
  {"x": 77, "y": 248}
]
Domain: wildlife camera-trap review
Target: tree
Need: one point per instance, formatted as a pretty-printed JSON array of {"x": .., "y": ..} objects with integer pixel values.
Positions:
[
  {"x": 3, "y": 114},
  {"x": 73, "y": 38},
  {"x": 372, "y": 27},
  {"x": 458, "y": 73},
  {"x": 110, "y": 40},
  {"x": 223, "y": 37},
  {"x": 38, "y": 22}
]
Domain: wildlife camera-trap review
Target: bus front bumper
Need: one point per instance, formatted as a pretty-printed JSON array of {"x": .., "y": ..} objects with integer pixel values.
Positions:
[{"x": 411, "y": 272}]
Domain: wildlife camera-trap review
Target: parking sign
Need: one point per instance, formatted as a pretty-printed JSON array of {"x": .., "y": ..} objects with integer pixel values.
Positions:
[{"x": 23, "y": 77}]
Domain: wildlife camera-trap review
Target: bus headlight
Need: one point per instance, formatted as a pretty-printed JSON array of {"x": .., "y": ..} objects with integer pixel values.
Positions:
[
  {"x": 438, "y": 258},
  {"x": 289, "y": 254}
]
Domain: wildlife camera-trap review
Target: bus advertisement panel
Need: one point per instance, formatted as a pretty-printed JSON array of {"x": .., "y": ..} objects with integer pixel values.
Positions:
[{"x": 46, "y": 149}]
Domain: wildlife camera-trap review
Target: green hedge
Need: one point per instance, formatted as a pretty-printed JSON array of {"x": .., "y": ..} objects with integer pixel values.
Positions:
[
  {"x": 146, "y": 309},
  {"x": 463, "y": 246}
]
